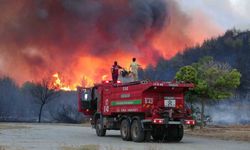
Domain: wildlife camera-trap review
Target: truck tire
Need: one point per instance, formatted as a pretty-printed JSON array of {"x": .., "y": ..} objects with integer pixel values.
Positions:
[
  {"x": 175, "y": 133},
  {"x": 125, "y": 130},
  {"x": 137, "y": 132},
  {"x": 100, "y": 131}
]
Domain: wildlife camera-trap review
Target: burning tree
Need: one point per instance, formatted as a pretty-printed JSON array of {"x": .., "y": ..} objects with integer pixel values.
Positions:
[
  {"x": 213, "y": 80},
  {"x": 43, "y": 94}
]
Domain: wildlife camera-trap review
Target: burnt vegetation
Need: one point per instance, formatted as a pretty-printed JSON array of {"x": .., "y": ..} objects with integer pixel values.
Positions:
[
  {"x": 67, "y": 113},
  {"x": 34, "y": 102}
]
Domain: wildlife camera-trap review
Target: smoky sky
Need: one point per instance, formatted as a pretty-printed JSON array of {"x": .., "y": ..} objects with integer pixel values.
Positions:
[
  {"x": 67, "y": 24},
  {"x": 41, "y": 36}
]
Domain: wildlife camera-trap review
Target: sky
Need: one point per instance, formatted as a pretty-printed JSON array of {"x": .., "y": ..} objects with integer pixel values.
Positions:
[{"x": 226, "y": 13}]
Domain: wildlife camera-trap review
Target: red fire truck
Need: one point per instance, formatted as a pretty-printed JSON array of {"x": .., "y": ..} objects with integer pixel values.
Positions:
[{"x": 140, "y": 110}]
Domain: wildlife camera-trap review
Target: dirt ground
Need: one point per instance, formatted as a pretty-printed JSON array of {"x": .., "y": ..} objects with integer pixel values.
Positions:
[
  {"x": 83, "y": 147},
  {"x": 11, "y": 126},
  {"x": 230, "y": 132},
  {"x": 31, "y": 136},
  {"x": 233, "y": 132}
]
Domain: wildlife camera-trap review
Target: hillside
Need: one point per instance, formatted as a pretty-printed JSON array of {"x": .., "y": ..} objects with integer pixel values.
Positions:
[{"x": 233, "y": 47}]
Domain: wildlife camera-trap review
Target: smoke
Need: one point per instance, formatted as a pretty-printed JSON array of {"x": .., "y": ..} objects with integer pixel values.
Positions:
[
  {"x": 234, "y": 111},
  {"x": 83, "y": 37},
  {"x": 227, "y": 13}
]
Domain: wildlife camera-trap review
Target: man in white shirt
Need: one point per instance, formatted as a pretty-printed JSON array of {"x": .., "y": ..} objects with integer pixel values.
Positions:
[{"x": 134, "y": 69}]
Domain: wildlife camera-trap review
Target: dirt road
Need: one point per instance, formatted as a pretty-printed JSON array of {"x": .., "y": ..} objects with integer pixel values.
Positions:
[{"x": 74, "y": 137}]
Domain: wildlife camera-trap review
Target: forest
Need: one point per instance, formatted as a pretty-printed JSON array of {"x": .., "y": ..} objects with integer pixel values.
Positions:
[{"x": 233, "y": 48}]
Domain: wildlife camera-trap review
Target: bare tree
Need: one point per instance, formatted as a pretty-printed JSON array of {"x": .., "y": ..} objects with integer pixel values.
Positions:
[{"x": 43, "y": 94}]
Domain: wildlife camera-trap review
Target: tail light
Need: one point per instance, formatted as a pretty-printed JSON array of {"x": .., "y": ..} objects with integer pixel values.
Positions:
[
  {"x": 190, "y": 122},
  {"x": 158, "y": 121},
  {"x": 179, "y": 106}
]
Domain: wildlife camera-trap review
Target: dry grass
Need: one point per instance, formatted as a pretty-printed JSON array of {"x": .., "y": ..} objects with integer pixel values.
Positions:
[
  {"x": 11, "y": 126},
  {"x": 87, "y": 124},
  {"x": 2, "y": 147},
  {"x": 239, "y": 133},
  {"x": 84, "y": 147}
]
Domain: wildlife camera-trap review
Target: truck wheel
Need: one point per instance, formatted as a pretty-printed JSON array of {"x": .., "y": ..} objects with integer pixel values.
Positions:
[
  {"x": 180, "y": 133},
  {"x": 100, "y": 131},
  {"x": 175, "y": 133},
  {"x": 137, "y": 132},
  {"x": 125, "y": 130}
]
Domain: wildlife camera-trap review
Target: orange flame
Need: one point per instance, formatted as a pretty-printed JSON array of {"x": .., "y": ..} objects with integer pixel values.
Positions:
[
  {"x": 59, "y": 85},
  {"x": 87, "y": 82}
]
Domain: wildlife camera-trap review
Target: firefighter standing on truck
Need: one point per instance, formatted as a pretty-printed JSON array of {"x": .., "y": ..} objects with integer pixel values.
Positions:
[
  {"x": 134, "y": 69},
  {"x": 115, "y": 71}
]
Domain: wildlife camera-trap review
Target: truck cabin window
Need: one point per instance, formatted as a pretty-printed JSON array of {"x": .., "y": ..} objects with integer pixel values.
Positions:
[{"x": 86, "y": 96}]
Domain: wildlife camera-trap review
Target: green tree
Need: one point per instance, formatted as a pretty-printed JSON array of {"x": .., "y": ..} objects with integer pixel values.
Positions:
[
  {"x": 187, "y": 74},
  {"x": 213, "y": 80}
]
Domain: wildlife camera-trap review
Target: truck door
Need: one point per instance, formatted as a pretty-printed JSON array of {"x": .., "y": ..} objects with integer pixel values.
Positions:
[{"x": 87, "y": 103}]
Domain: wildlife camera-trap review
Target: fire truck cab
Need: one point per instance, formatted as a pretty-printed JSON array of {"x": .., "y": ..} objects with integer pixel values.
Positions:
[{"x": 140, "y": 110}]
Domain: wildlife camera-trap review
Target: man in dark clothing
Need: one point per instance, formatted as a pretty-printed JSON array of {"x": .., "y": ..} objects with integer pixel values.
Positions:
[{"x": 115, "y": 71}]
